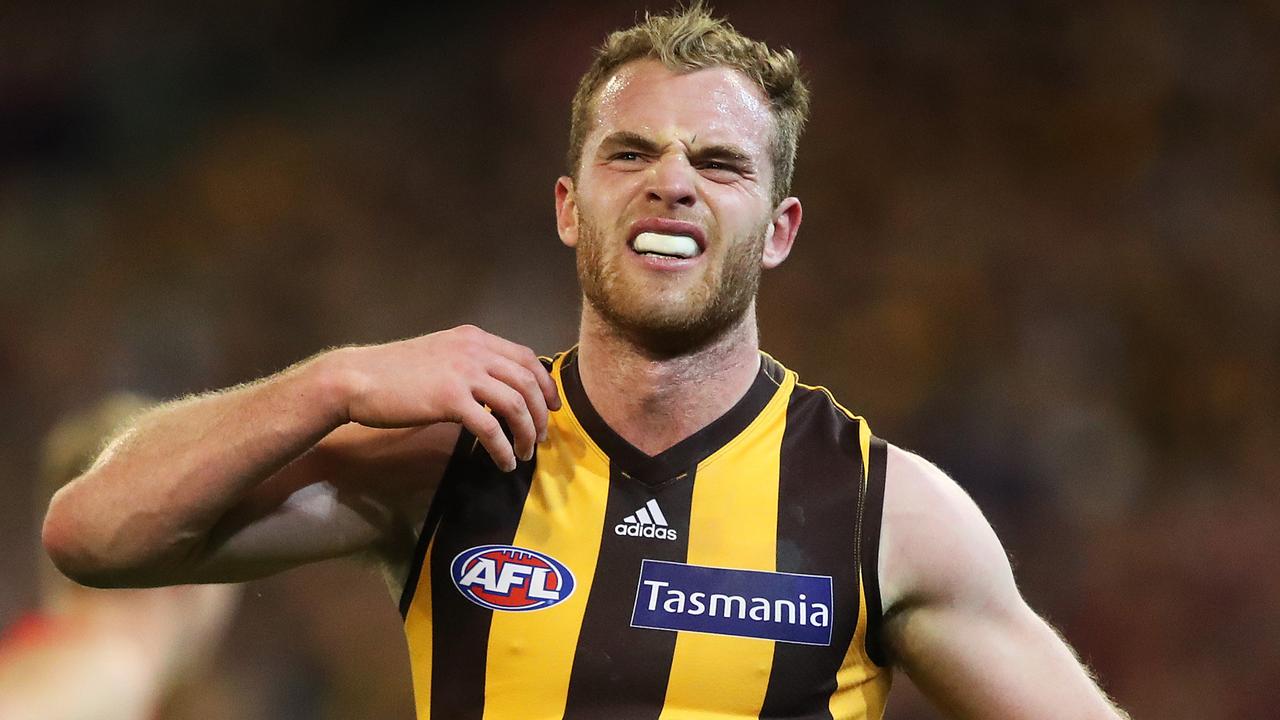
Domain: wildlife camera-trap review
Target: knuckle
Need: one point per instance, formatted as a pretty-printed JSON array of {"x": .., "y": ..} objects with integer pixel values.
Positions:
[
  {"x": 512, "y": 404},
  {"x": 517, "y": 407},
  {"x": 507, "y": 405},
  {"x": 527, "y": 380},
  {"x": 488, "y": 426}
]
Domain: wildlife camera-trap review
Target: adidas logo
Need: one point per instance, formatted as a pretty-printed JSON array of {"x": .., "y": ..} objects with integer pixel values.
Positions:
[{"x": 647, "y": 522}]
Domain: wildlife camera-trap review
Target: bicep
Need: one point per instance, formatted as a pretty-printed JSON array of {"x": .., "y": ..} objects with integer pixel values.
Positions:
[
  {"x": 360, "y": 491},
  {"x": 955, "y": 621},
  {"x": 998, "y": 662}
]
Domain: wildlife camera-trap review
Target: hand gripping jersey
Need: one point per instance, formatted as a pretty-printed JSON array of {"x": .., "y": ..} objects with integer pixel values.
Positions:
[{"x": 732, "y": 575}]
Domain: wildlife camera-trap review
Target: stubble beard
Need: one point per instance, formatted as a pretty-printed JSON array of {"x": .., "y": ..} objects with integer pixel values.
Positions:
[{"x": 701, "y": 316}]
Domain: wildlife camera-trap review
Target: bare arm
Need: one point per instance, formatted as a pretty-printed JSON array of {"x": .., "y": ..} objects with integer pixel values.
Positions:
[
  {"x": 318, "y": 461},
  {"x": 954, "y": 619}
]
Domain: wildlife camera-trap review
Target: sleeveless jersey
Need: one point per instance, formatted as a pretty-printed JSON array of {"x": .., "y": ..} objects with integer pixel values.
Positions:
[{"x": 732, "y": 575}]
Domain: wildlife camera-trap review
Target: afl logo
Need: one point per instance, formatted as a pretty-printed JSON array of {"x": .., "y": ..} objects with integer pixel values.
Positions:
[{"x": 505, "y": 577}]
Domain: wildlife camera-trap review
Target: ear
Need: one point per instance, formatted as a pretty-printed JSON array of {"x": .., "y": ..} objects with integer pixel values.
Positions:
[
  {"x": 566, "y": 211},
  {"x": 782, "y": 233}
]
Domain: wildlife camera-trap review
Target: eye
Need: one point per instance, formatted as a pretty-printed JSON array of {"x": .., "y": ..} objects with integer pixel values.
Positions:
[
  {"x": 626, "y": 156},
  {"x": 719, "y": 168}
]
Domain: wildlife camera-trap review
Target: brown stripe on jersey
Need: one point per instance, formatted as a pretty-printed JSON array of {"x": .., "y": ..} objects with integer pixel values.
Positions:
[
  {"x": 872, "y": 513},
  {"x": 619, "y": 671},
  {"x": 456, "y": 460},
  {"x": 820, "y": 480},
  {"x": 480, "y": 505}
]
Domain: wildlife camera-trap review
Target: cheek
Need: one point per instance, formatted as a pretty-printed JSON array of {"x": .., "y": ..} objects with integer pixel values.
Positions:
[
  {"x": 595, "y": 208},
  {"x": 606, "y": 187},
  {"x": 739, "y": 218}
]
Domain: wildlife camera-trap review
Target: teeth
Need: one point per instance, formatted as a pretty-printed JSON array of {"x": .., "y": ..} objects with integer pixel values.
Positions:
[{"x": 681, "y": 246}]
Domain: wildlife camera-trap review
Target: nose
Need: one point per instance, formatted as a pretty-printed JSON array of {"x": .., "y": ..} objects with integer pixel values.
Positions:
[{"x": 671, "y": 181}]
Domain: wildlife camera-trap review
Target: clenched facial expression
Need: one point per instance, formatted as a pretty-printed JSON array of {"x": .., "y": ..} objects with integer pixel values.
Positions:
[{"x": 671, "y": 210}]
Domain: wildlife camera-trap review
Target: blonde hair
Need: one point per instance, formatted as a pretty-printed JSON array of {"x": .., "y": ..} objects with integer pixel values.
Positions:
[{"x": 691, "y": 39}]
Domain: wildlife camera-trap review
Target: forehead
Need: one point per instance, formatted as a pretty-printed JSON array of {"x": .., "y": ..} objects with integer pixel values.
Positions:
[{"x": 716, "y": 105}]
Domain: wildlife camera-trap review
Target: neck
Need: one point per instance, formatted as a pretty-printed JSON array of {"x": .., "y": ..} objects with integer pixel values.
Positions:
[{"x": 655, "y": 400}]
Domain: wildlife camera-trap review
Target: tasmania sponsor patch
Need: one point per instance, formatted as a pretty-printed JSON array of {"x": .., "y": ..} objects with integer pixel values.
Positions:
[
  {"x": 724, "y": 601},
  {"x": 505, "y": 577}
]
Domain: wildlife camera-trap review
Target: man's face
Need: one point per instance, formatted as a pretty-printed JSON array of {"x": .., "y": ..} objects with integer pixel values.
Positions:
[{"x": 671, "y": 210}]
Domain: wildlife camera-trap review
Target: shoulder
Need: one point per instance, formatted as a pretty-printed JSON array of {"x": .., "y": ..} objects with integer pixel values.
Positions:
[
  {"x": 811, "y": 404},
  {"x": 953, "y": 617},
  {"x": 936, "y": 546}
]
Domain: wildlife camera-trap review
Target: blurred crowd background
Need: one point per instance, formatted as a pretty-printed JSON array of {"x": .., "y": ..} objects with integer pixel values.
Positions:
[{"x": 1041, "y": 246}]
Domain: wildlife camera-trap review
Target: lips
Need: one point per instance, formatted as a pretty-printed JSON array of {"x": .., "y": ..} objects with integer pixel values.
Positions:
[{"x": 665, "y": 237}]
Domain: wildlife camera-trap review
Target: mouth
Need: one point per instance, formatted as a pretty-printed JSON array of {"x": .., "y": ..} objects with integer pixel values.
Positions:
[{"x": 663, "y": 238}]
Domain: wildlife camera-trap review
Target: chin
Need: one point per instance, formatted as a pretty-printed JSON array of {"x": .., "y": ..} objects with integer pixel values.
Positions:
[{"x": 670, "y": 334}]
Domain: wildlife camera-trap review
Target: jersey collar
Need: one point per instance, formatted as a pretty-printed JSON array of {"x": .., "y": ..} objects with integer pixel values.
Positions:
[{"x": 682, "y": 457}]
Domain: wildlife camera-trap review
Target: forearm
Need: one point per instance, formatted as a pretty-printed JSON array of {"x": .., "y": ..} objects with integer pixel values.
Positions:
[{"x": 149, "y": 501}]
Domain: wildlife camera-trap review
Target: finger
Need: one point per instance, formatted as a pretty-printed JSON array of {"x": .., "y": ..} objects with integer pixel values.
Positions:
[
  {"x": 488, "y": 431},
  {"x": 520, "y": 378},
  {"x": 528, "y": 359},
  {"x": 506, "y": 402}
]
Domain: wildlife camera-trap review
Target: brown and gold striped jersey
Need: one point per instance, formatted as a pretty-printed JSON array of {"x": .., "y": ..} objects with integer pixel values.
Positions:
[{"x": 732, "y": 575}]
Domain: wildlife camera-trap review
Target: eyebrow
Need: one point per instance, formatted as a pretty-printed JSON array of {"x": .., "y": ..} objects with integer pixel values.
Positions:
[
  {"x": 636, "y": 141},
  {"x": 628, "y": 139}
]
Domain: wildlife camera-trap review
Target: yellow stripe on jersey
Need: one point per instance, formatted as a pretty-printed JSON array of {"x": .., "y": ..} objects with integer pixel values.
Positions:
[
  {"x": 530, "y": 654},
  {"x": 861, "y": 687},
  {"x": 737, "y": 485},
  {"x": 417, "y": 626}
]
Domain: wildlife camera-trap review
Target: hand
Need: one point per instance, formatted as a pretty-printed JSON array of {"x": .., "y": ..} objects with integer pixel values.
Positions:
[{"x": 450, "y": 376}]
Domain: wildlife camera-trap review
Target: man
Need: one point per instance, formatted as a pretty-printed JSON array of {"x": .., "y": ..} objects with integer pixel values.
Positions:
[
  {"x": 104, "y": 655},
  {"x": 661, "y": 520}
]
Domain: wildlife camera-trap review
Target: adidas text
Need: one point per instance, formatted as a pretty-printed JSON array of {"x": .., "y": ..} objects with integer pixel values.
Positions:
[{"x": 648, "y": 531}]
